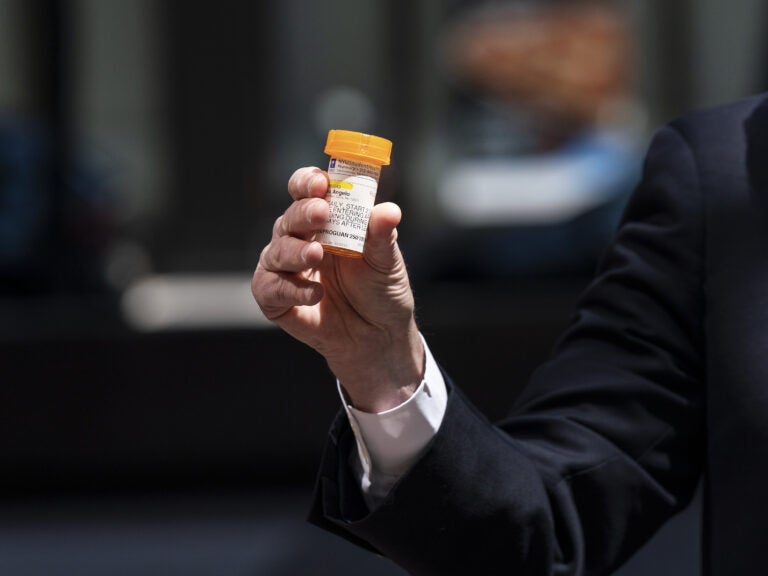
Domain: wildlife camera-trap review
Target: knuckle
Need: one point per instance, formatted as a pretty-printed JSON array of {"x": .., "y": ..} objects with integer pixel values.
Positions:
[
  {"x": 275, "y": 255},
  {"x": 260, "y": 288},
  {"x": 271, "y": 256},
  {"x": 279, "y": 255},
  {"x": 293, "y": 181},
  {"x": 283, "y": 293},
  {"x": 298, "y": 183},
  {"x": 262, "y": 259},
  {"x": 282, "y": 290},
  {"x": 269, "y": 292},
  {"x": 256, "y": 283},
  {"x": 279, "y": 227}
]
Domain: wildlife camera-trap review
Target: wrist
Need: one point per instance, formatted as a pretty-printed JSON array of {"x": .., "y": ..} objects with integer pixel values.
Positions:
[{"x": 383, "y": 374}]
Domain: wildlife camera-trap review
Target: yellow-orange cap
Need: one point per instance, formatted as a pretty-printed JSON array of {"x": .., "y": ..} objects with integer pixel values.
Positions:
[{"x": 358, "y": 146}]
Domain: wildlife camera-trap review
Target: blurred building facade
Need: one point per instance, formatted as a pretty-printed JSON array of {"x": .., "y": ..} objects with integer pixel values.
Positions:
[{"x": 194, "y": 117}]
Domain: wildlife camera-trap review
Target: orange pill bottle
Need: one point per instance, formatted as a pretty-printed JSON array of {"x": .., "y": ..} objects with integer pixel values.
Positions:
[{"x": 353, "y": 171}]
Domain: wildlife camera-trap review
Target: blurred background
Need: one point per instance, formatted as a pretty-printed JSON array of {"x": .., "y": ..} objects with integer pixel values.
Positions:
[{"x": 151, "y": 421}]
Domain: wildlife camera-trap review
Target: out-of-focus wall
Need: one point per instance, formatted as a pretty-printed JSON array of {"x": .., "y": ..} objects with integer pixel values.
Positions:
[
  {"x": 696, "y": 53},
  {"x": 120, "y": 107},
  {"x": 14, "y": 73},
  {"x": 729, "y": 59}
]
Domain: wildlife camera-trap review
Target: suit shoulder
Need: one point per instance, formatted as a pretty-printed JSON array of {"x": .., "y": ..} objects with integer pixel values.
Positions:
[{"x": 724, "y": 122}]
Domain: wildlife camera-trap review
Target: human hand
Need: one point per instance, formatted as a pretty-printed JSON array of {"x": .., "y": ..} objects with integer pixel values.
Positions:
[{"x": 356, "y": 312}]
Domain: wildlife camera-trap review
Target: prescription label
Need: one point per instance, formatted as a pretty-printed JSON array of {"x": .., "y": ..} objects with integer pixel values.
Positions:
[{"x": 351, "y": 195}]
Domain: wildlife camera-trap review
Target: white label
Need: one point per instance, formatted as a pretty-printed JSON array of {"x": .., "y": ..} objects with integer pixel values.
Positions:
[{"x": 351, "y": 194}]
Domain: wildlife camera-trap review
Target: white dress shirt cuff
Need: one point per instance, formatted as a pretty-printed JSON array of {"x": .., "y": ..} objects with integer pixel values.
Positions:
[{"x": 388, "y": 443}]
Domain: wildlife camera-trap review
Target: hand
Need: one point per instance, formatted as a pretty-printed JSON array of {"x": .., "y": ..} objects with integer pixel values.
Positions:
[{"x": 357, "y": 313}]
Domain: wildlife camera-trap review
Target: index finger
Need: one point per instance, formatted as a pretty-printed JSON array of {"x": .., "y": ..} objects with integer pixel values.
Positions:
[{"x": 309, "y": 182}]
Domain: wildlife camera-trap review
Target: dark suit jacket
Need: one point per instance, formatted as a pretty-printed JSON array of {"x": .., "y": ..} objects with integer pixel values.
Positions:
[{"x": 662, "y": 375}]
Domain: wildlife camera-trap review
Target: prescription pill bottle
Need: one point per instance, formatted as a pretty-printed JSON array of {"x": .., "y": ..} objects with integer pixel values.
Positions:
[{"x": 354, "y": 170}]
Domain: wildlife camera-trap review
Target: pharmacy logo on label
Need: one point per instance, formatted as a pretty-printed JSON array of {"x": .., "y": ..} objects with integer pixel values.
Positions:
[{"x": 332, "y": 164}]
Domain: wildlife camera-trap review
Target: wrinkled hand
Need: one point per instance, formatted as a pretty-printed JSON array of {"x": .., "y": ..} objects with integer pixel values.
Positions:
[{"x": 356, "y": 312}]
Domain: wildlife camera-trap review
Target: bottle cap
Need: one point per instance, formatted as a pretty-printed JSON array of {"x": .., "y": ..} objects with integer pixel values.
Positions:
[{"x": 358, "y": 146}]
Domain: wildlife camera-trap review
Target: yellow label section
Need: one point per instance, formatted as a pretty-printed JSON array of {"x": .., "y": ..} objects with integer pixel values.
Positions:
[{"x": 341, "y": 184}]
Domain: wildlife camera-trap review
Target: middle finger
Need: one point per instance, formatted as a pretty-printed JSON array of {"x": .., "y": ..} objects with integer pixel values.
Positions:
[{"x": 302, "y": 219}]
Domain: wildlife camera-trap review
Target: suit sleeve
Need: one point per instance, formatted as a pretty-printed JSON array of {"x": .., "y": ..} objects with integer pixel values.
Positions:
[{"x": 604, "y": 444}]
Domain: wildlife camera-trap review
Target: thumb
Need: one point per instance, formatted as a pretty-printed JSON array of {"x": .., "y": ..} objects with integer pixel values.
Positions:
[{"x": 381, "y": 250}]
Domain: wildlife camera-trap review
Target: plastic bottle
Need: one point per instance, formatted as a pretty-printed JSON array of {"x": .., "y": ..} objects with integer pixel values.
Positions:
[{"x": 354, "y": 170}]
